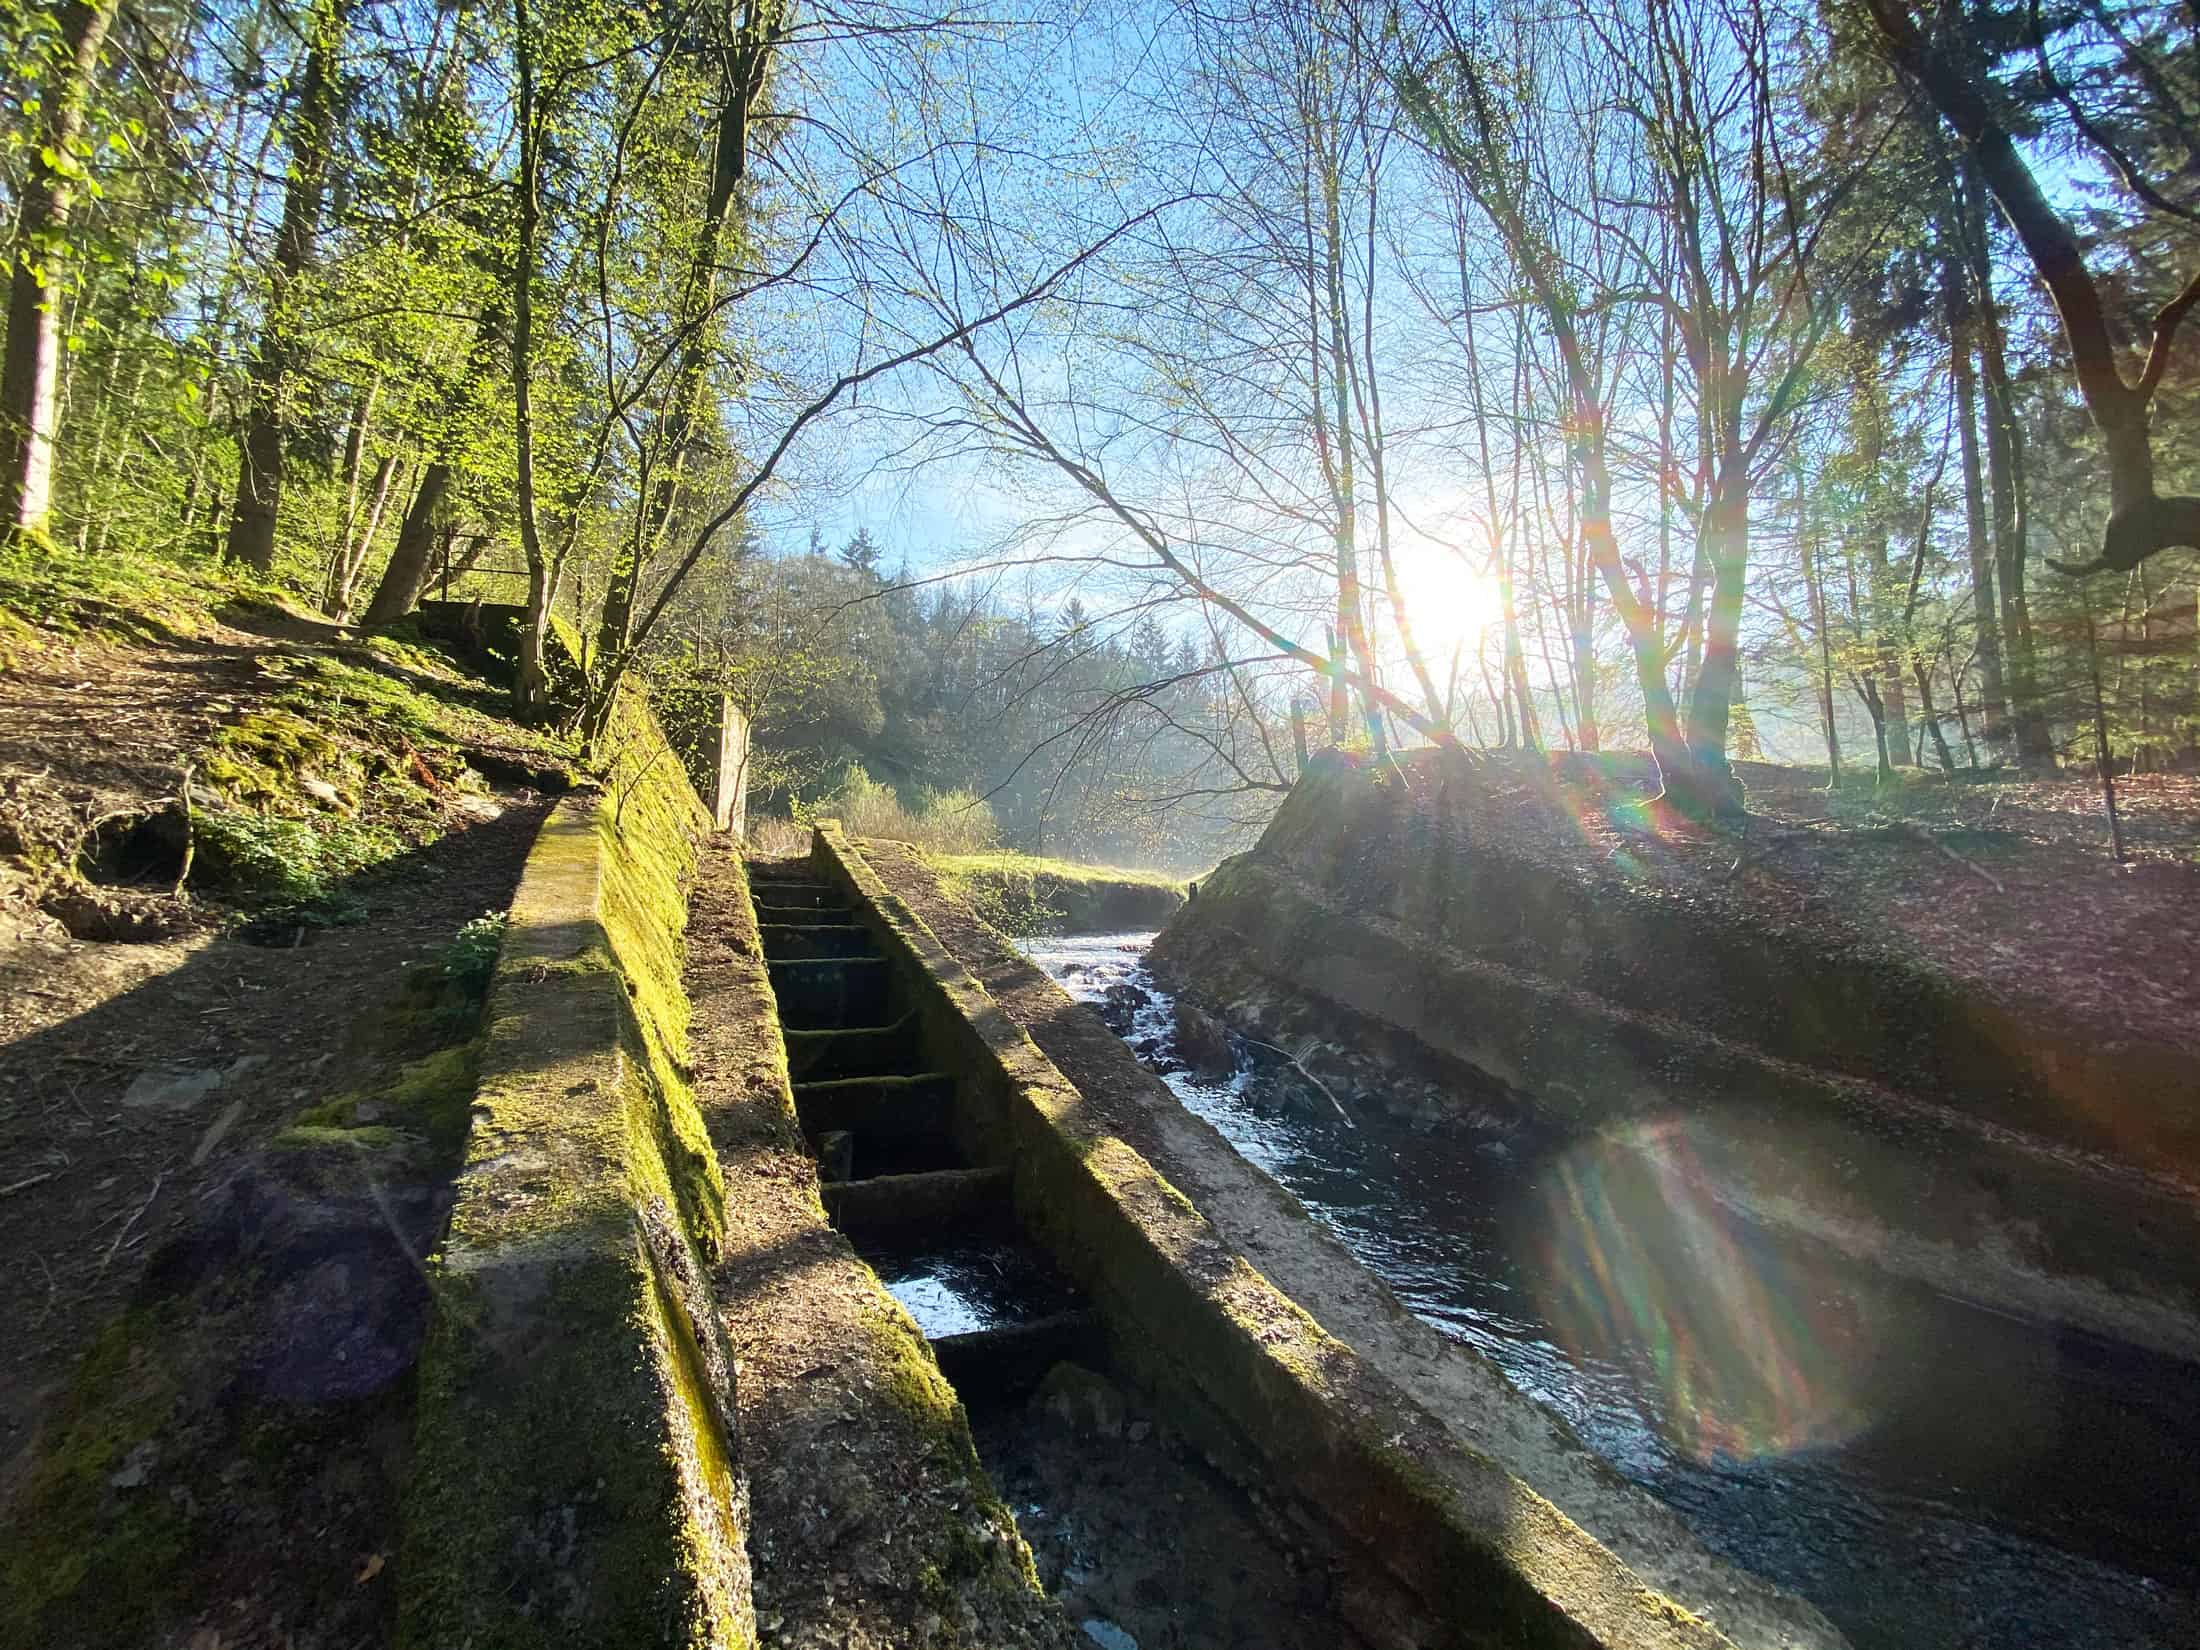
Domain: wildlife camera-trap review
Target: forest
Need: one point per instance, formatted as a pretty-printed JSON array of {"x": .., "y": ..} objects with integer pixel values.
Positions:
[{"x": 1730, "y": 378}]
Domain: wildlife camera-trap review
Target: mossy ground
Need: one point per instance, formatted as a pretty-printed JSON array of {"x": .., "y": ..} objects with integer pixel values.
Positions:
[
  {"x": 166, "y": 1471},
  {"x": 80, "y": 1538},
  {"x": 314, "y": 755},
  {"x": 50, "y": 595}
]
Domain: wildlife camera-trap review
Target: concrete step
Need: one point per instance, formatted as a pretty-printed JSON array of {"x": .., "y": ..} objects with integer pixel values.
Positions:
[
  {"x": 844, "y": 1156},
  {"x": 900, "y": 1207},
  {"x": 799, "y": 896},
  {"x": 871, "y": 1051},
  {"x": 881, "y": 1108},
  {"x": 1008, "y": 1361},
  {"x": 788, "y": 940},
  {"x": 770, "y": 915},
  {"x": 823, "y": 993}
]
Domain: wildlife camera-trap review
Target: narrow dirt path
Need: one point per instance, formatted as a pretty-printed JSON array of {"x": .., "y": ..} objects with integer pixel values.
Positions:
[{"x": 132, "y": 1078}]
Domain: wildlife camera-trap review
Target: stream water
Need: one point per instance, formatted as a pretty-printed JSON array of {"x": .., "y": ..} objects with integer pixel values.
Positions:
[{"x": 1927, "y": 1473}]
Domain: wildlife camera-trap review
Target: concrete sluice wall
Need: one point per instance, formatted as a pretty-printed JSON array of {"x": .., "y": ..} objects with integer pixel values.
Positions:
[
  {"x": 1439, "y": 1543},
  {"x": 667, "y": 1399},
  {"x": 1850, "y": 1100}
]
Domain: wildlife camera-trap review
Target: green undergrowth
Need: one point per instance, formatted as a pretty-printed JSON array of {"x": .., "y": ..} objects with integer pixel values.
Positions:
[
  {"x": 1027, "y": 894},
  {"x": 332, "y": 766},
  {"x": 331, "y": 753},
  {"x": 51, "y": 596},
  {"x": 430, "y": 1098}
]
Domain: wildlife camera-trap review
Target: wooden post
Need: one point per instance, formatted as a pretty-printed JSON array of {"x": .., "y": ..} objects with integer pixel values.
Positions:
[{"x": 730, "y": 798}]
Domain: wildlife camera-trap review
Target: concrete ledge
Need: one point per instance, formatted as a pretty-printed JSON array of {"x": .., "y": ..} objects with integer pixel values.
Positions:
[
  {"x": 575, "y": 1478},
  {"x": 1491, "y": 1560},
  {"x": 1824, "y": 992},
  {"x": 1917, "y": 1188}
]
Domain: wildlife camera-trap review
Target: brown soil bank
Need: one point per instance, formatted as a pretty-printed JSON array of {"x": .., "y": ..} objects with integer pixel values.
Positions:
[{"x": 1877, "y": 1037}]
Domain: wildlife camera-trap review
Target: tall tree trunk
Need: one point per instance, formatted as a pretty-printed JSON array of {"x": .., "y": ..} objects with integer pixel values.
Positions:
[
  {"x": 1516, "y": 657},
  {"x": 1994, "y": 700},
  {"x": 355, "y": 457},
  {"x": 406, "y": 576},
  {"x": 1888, "y": 644},
  {"x": 357, "y": 548},
  {"x": 2006, "y": 493},
  {"x": 1814, "y": 582},
  {"x": 2005, "y": 473},
  {"x": 673, "y": 436},
  {"x": 531, "y": 693},
  {"x": 30, "y": 373},
  {"x": 1711, "y": 703},
  {"x": 1931, "y": 717},
  {"x": 1343, "y": 472},
  {"x": 275, "y": 361}
]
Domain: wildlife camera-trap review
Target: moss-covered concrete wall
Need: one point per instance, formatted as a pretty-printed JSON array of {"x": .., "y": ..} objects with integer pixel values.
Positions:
[
  {"x": 575, "y": 1478},
  {"x": 1492, "y": 1561},
  {"x": 1859, "y": 1101},
  {"x": 1403, "y": 844}
]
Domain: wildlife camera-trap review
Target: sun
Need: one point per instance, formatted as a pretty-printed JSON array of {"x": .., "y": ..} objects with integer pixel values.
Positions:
[{"x": 1454, "y": 605}]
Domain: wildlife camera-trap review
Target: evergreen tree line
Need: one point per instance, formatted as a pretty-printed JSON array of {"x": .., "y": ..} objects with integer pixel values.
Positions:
[{"x": 1102, "y": 737}]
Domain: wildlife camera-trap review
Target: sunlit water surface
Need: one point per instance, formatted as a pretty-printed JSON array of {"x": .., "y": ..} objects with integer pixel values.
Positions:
[{"x": 1927, "y": 1473}]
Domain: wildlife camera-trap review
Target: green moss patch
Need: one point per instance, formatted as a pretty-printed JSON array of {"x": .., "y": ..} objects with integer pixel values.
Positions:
[
  {"x": 430, "y": 1099},
  {"x": 81, "y": 1531},
  {"x": 51, "y": 596}
]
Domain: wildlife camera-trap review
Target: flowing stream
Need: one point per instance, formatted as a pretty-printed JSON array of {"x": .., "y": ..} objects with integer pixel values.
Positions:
[{"x": 1928, "y": 1473}]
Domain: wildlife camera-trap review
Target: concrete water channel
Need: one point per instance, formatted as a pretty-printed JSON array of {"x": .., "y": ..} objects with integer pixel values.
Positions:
[
  {"x": 1194, "y": 1457},
  {"x": 1208, "y": 1424},
  {"x": 1939, "y": 1476},
  {"x": 1140, "y": 1539}
]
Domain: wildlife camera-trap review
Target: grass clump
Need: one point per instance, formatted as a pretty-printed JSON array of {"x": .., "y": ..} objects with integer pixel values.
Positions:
[
  {"x": 430, "y": 1098},
  {"x": 470, "y": 960},
  {"x": 282, "y": 864},
  {"x": 945, "y": 822},
  {"x": 1026, "y": 894}
]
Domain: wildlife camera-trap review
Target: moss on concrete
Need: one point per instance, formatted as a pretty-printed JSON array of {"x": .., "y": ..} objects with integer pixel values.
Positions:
[
  {"x": 1025, "y": 894},
  {"x": 574, "y": 1479},
  {"x": 430, "y": 1098}
]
